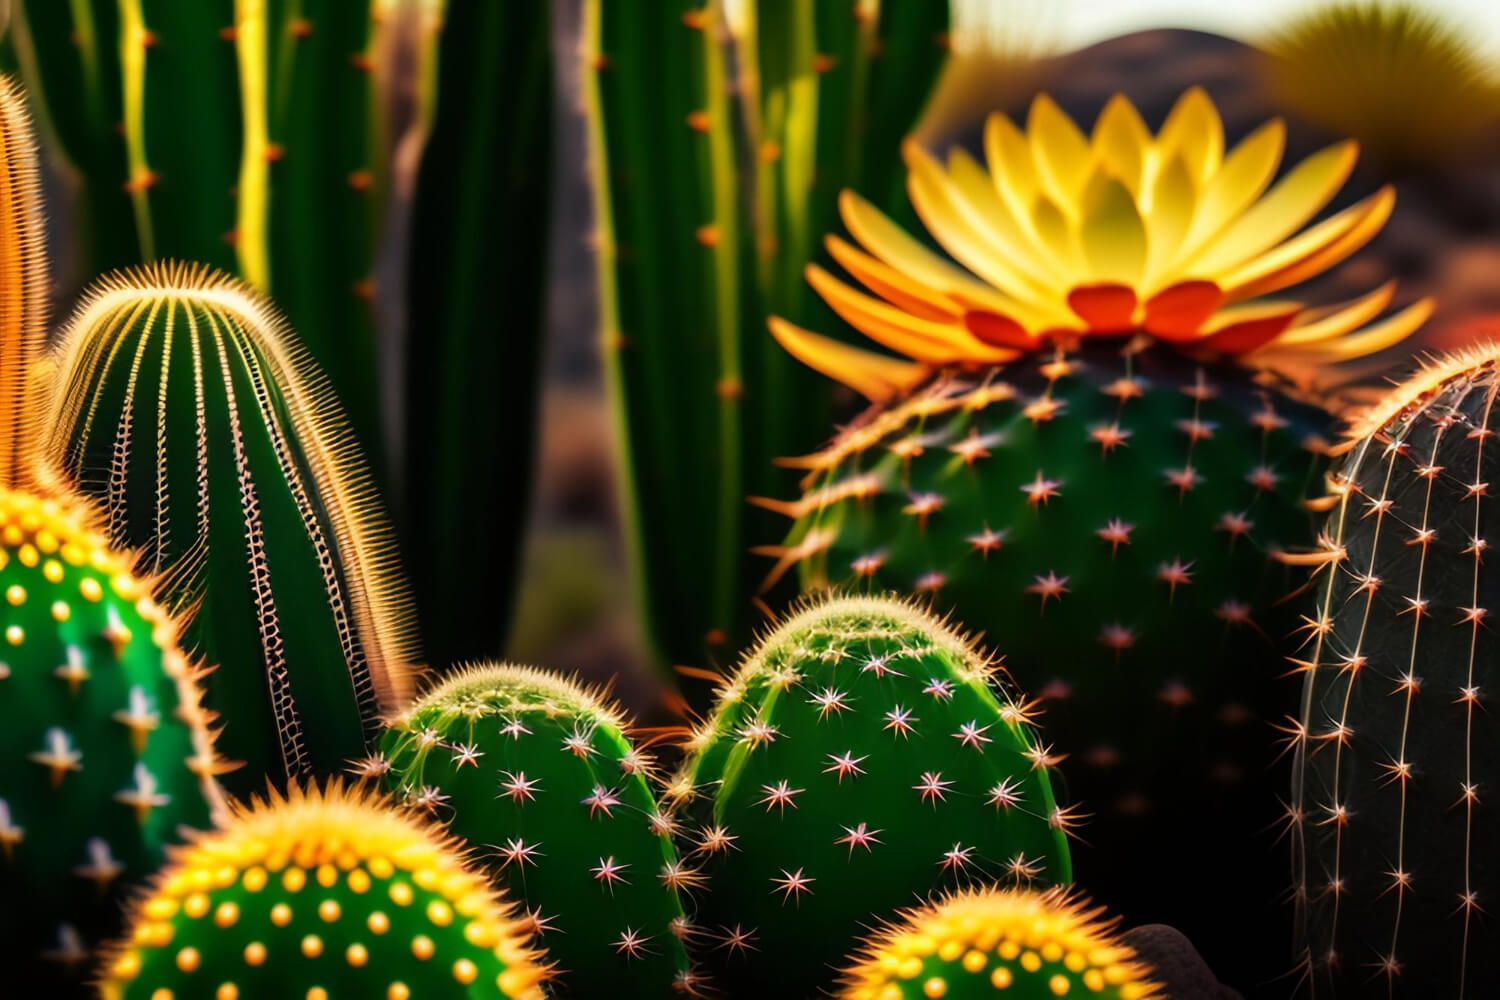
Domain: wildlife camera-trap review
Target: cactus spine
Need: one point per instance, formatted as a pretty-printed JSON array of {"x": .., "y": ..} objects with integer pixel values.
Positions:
[
  {"x": 324, "y": 893},
  {"x": 861, "y": 754},
  {"x": 547, "y": 774},
  {"x": 688, "y": 265},
  {"x": 993, "y": 943},
  {"x": 104, "y": 751},
  {"x": 1395, "y": 750},
  {"x": 185, "y": 407}
]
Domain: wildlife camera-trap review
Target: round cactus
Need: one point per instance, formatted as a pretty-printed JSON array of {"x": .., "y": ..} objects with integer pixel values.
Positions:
[
  {"x": 999, "y": 943},
  {"x": 323, "y": 893},
  {"x": 863, "y": 754},
  {"x": 104, "y": 751},
  {"x": 1396, "y": 749},
  {"x": 545, "y": 773}
]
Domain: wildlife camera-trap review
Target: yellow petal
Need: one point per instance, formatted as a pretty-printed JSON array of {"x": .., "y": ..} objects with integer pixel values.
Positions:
[
  {"x": 874, "y": 376},
  {"x": 1120, "y": 141},
  {"x": 1112, "y": 233},
  {"x": 1296, "y": 198},
  {"x": 1168, "y": 215},
  {"x": 895, "y": 287},
  {"x": 1193, "y": 131},
  {"x": 1327, "y": 322},
  {"x": 1247, "y": 312},
  {"x": 1235, "y": 186},
  {"x": 1062, "y": 153},
  {"x": 1369, "y": 340},
  {"x": 1060, "y": 239},
  {"x": 1012, "y": 168},
  {"x": 975, "y": 194},
  {"x": 1248, "y": 281}
]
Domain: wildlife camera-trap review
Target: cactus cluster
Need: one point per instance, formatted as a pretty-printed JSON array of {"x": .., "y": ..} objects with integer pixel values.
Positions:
[
  {"x": 322, "y": 893},
  {"x": 547, "y": 776},
  {"x": 106, "y": 752},
  {"x": 999, "y": 944},
  {"x": 186, "y": 408},
  {"x": 862, "y": 753},
  {"x": 1396, "y": 748}
]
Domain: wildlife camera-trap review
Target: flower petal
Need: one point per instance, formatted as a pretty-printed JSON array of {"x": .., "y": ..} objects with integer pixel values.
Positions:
[
  {"x": 1062, "y": 154},
  {"x": 1120, "y": 141},
  {"x": 1106, "y": 308},
  {"x": 1179, "y": 312},
  {"x": 1112, "y": 235},
  {"x": 1241, "y": 329},
  {"x": 1174, "y": 196},
  {"x": 1235, "y": 186},
  {"x": 1194, "y": 132},
  {"x": 1387, "y": 332},
  {"x": 974, "y": 192},
  {"x": 1000, "y": 331},
  {"x": 1327, "y": 322},
  {"x": 892, "y": 285},
  {"x": 874, "y": 376},
  {"x": 1375, "y": 210}
]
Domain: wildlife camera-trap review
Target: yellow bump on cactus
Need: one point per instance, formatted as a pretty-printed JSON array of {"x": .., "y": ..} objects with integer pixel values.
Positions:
[
  {"x": 1067, "y": 236},
  {"x": 323, "y": 892},
  {"x": 999, "y": 943}
]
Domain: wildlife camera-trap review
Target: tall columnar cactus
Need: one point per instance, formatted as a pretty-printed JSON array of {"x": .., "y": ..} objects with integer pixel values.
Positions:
[
  {"x": 1396, "y": 747},
  {"x": 546, "y": 773},
  {"x": 324, "y": 893},
  {"x": 217, "y": 449},
  {"x": 994, "y": 943},
  {"x": 105, "y": 753},
  {"x": 862, "y": 754},
  {"x": 1082, "y": 459},
  {"x": 689, "y": 264}
]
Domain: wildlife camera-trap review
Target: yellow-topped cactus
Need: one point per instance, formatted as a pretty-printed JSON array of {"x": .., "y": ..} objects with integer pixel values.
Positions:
[{"x": 999, "y": 943}]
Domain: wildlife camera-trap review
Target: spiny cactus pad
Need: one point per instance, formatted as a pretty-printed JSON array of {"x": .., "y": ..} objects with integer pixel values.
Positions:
[
  {"x": 862, "y": 755},
  {"x": 995, "y": 943},
  {"x": 186, "y": 407},
  {"x": 322, "y": 895},
  {"x": 545, "y": 774},
  {"x": 1397, "y": 751},
  {"x": 104, "y": 752},
  {"x": 1105, "y": 521}
]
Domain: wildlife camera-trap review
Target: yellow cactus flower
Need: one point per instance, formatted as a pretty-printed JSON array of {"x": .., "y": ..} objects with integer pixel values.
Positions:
[{"x": 1068, "y": 236}]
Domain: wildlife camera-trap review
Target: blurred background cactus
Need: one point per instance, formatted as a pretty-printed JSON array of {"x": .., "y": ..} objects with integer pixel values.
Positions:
[{"x": 1396, "y": 747}]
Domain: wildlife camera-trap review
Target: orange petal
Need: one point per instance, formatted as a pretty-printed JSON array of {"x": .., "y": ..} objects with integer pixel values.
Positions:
[
  {"x": 1179, "y": 312},
  {"x": 874, "y": 376},
  {"x": 1246, "y": 335},
  {"x": 1106, "y": 308},
  {"x": 893, "y": 286},
  {"x": 1001, "y": 331}
]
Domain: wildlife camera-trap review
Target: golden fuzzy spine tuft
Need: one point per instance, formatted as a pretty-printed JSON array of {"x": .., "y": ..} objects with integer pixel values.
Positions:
[
  {"x": 23, "y": 290},
  {"x": 1422, "y": 383}
]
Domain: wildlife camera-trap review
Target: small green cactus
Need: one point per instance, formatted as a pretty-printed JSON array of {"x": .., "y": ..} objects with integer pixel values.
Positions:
[
  {"x": 862, "y": 754},
  {"x": 105, "y": 753},
  {"x": 1396, "y": 750},
  {"x": 546, "y": 774},
  {"x": 998, "y": 944},
  {"x": 324, "y": 893}
]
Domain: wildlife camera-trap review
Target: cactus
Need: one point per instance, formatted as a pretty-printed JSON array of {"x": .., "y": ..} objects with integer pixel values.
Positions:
[
  {"x": 106, "y": 752},
  {"x": 547, "y": 774},
  {"x": 1395, "y": 746},
  {"x": 999, "y": 943},
  {"x": 689, "y": 264},
  {"x": 185, "y": 407},
  {"x": 323, "y": 893},
  {"x": 472, "y": 373},
  {"x": 1102, "y": 512},
  {"x": 861, "y": 754}
]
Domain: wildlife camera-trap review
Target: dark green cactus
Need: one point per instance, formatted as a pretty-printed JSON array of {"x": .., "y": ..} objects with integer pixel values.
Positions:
[
  {"x": 217, "y": 450},
  {"x": 547, "y": 775},
  {"x": 1396, "y": 747},
  {"x": 1105, "y": 521},
  {"x": 107, "y": 754},
  {"x": 479, "y": 230},
  {"x": 990, "y": 943},
  {"x": 689, "y": 264},
  {"x": 323, "y": 894},
  {"x": 860, "y": 756}
]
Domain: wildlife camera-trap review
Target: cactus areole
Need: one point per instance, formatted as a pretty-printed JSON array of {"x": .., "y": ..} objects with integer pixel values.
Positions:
[
  {"x": 1396, "y": 746},
  {"x": 863, "y": 756},
  {"x": 1097, "y": 438}
]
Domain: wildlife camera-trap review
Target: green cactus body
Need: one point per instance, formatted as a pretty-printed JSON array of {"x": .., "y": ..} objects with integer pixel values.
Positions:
[
  {"x": 860, "y": 756},
  {"x": 996, "y": 944},
  {"x": 1105, "y": 522},
  {"x": 321, "y": 895},
  {"x": 106, "y": 751},
  {"x": 546, "y": 774},
  {"x": 1397, "y": 748},
  {"x": 218, "y": 451}
]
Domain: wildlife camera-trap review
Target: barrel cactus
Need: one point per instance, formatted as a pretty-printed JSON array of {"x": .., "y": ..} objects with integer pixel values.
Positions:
[
  {"x": 995, "y": 943},
  {"x": 1094, "y": 448},
  {"x": 187, "y": 409},
  {"x": 546, "y": 774},
  {"x": 1396, "y": 745},
  {"x": 322, "y": 893},
  {"x": 863, "y": 753}
]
